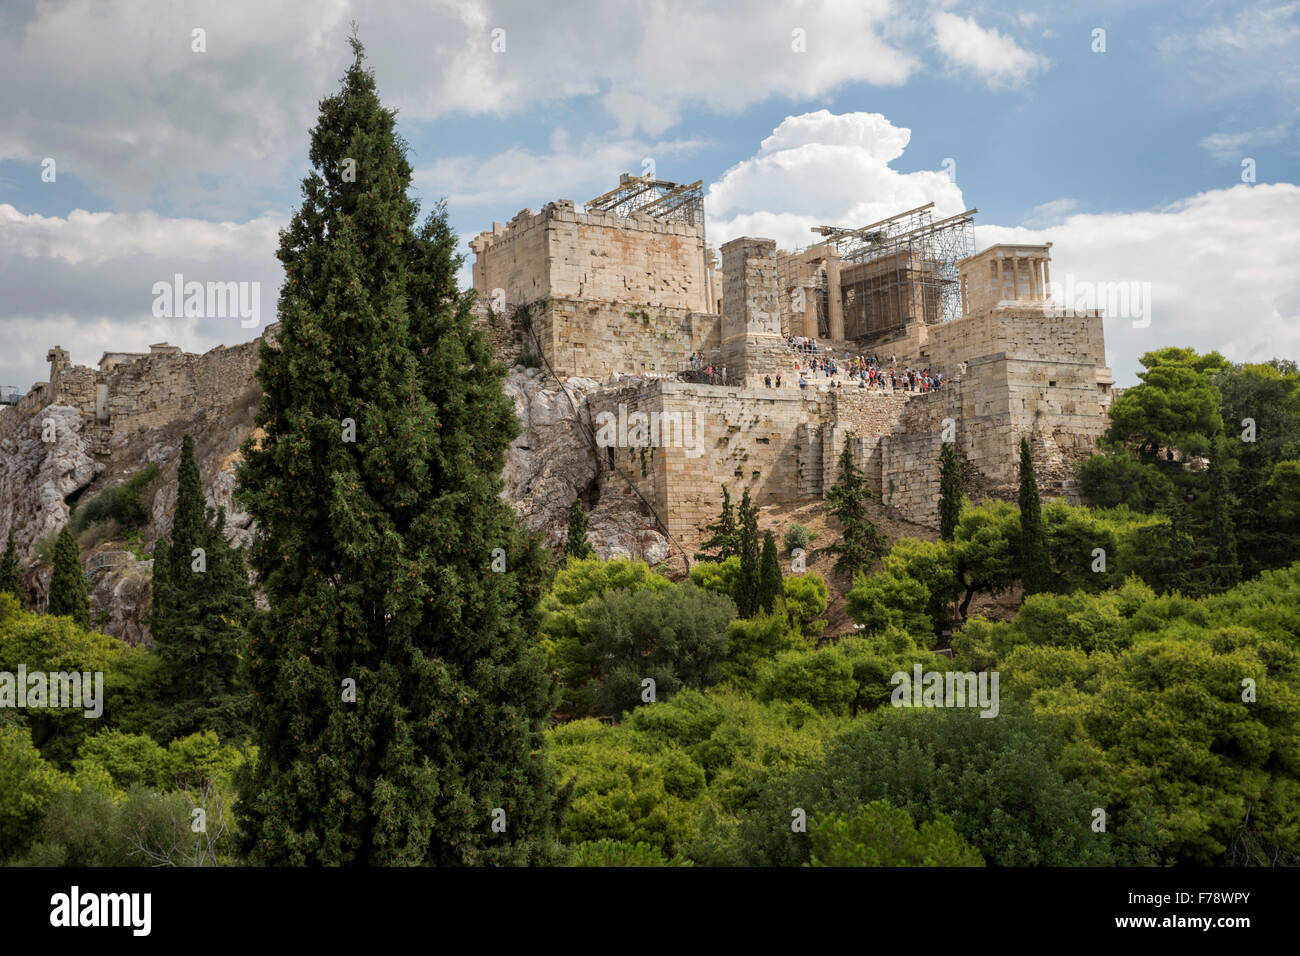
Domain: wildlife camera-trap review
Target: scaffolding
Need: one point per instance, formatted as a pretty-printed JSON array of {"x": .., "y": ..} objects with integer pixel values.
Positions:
[
  {"x": 901, "y": 270},
  {"x": 665, "y": 201},
  {"x": 799, "y": 269}
]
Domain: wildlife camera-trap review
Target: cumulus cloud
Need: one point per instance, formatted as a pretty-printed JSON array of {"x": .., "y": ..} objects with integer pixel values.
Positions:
[
  {"x": 114, "y": 92},
  {"x": 85, "y": 282},
  {"x": 822, "y": 169},
  {"x": 1223, "y": 266},
  {"x": 994, "y": 57},
  {"x": 567, "y": 170}
]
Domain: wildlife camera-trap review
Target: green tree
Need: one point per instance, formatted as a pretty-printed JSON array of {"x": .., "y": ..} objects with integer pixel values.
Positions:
[
  {"x": 998, "y": 780},
  {"x": 1175, "y": 406},
  {"x": 879, "y": 835},
  {"x": 950, "y": 491},
  {"x": 1034, "y": 568},
  {"x": 9, "y": 580},
  {"x": 724, "y": 537},
  {"x": 1226, "y": 571},
  {"x": 399, "y": 693},
  {"x": 676, "y": 637},
  {"x": 68, "y": 595},
  {"x": 861, "y": 542},
  {"x": 577, "y": 545},
  {"x": 202, "y": 607},
  {"x": 770, "y": 581},
  {"x": 1114, "y": 478},
  {"x": 749, "y": 591}
]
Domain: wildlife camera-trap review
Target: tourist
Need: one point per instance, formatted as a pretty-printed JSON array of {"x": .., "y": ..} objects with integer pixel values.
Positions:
[
  {"x": 802, "y": 383},
  {"x": 767, "y": 381},
  {"x": 778, "y": 379}
]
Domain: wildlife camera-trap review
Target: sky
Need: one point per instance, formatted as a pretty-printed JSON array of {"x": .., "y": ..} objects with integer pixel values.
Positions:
[{"x": 1155, "y": 144}]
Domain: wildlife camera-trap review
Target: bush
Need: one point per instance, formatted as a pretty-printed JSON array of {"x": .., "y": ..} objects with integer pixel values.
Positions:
[
  {"x": 616, "y": 853},
  {"x": 97, "y": 531},
  {"x": 879, "y": 835},
  {"x": 127, "y": 503},
  {"x": 997, "y": 780},
  {"x": 676, "y": 637},
  {"x": 797, "y": 536}
]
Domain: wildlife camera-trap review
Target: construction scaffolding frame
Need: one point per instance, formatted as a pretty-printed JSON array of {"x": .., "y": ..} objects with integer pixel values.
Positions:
[
  {"x": 792, "y": 272},
  {"x": 663, "y": 200},
  {"x": 901, "y": 270}
]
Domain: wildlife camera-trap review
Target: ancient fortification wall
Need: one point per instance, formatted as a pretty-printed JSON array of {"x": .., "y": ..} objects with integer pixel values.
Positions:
[
  {"x": 615, "y": 295},
  {"x": 597, "y": 256}
]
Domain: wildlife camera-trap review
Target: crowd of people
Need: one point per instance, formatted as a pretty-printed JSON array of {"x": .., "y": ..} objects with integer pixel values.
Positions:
[
  {"x": 867, "y": 371},
  {"x": 811, "y": 362}
]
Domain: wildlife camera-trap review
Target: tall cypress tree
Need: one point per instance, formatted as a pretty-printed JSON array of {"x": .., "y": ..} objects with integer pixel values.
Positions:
[
  {"x": 1226, "y": 570},
  {"x": 577, "y": 545},
  {"x": 202, "y": 607},
  {"x": 749, "y": 588},
  {"x": 771, "y": 583},
  {"x": 400, "y": 697},
  {"x": 724, "y": 540},
  {"x": 68, "y": 585},
  {"x": 860, "y": 540},
  {"x": 950, "y": 491},
  {"x": 9, "y": 580},
  {"x": 1034, "y": 568}
]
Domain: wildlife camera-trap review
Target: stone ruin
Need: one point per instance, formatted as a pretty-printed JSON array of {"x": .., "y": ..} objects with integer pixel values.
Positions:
[
  {"x": 613, "y": 302},
  {"x": 626, "y": 292}
]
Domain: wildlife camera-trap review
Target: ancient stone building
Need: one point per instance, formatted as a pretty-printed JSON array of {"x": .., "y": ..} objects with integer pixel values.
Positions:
[{"x": 908, "y": 289}]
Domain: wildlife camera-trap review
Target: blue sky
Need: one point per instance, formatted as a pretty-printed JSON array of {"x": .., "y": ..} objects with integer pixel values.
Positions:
[{"x": 1129, "y": 160}]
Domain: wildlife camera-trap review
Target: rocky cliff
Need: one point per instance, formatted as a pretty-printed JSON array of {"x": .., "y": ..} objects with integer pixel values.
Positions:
[{"x": 88, "y": 430}]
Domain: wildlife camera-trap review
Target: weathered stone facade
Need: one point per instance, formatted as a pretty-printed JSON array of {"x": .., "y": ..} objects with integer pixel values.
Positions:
[{"x": 1014, "y": 366}]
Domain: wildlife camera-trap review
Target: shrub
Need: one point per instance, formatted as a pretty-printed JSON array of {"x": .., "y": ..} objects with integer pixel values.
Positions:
[
  {"x": 879, "y": 835},
  {"x": 616, "y": 853},
  {"x": 797, "y": 536},
  {"x": 127, "y": 503}
]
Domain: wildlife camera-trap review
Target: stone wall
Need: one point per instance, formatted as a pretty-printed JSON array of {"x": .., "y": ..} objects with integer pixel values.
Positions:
[
  {"x": 597, "y": 339},
  {"x": 599, "y": 257}
]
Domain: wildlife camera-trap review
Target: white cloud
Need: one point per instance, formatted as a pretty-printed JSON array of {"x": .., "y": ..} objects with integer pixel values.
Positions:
[
  {"x": 1232, "y": 147},
  {"x": 86, "y": 282},
  {"x": 112, "y": 90},
  {"x": 822, "y": 169},
  {"x": 568, "y": 170},
  {"x": 1049, "y": 213},
  {"x": 993, "y": 56},
  {"x": 1224, "y": 269}
]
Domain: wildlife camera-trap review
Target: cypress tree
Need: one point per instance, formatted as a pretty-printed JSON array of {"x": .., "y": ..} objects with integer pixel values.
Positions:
[
  {"x": 724, "y": 540},
  {"x": 68, "y": 595},
  {"x": 577, "y": 545},
  {"x": 9, "y": 580},
  {"x": 202, "y": 606},
  {"x": 1034, "y": 568},
  {"x": 950, "y": 491},
  {"x": 771, "y": 583},
  {"x": 748, "y": 591},
  {"x": 860, "y": 540},
  {"x": 1223, "y": 546},
  {"x": 399, "y": 694}
]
